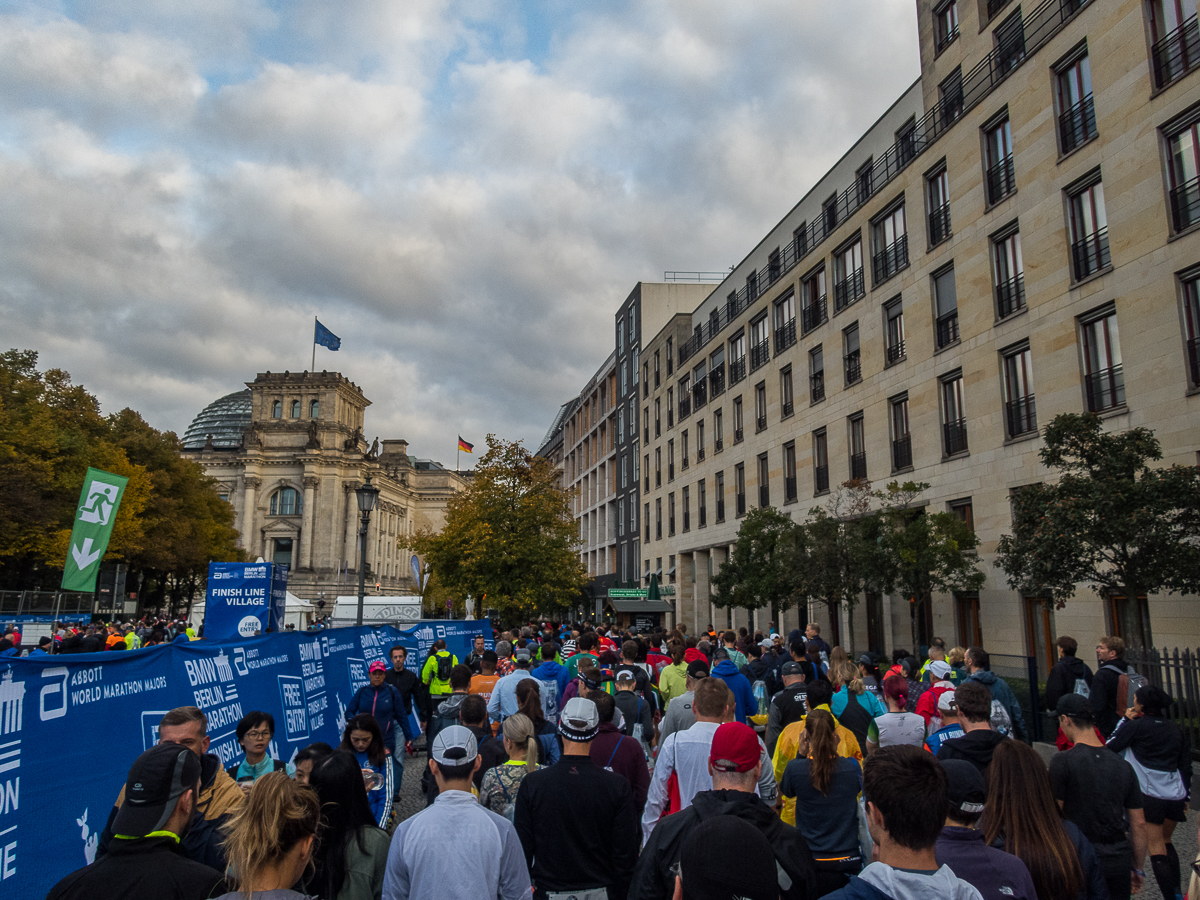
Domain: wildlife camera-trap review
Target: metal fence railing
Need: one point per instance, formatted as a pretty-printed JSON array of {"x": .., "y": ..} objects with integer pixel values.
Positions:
[{"x": 1178, "y": 673}]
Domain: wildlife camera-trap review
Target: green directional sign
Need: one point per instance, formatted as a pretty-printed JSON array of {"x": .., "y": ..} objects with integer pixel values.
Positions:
[{"x": 98, "y": 504}]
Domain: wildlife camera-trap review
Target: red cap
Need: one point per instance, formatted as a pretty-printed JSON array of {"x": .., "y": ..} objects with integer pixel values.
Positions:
[
  {"x": 691, "y": 654},
  {"x": 734, "y": 748},
  {"x": 377, "y": 666}
]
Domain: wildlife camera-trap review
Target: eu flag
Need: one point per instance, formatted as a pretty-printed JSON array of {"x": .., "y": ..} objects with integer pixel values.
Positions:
[{"x": 326, "y": 338}]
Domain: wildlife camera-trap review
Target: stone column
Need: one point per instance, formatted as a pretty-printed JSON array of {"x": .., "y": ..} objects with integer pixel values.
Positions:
[
  {"x": 250, "y": 540},
  {"x": 700, "y": 591},
  {"x": 718, "y": 617},
  {"x": 307, "y": 538}
]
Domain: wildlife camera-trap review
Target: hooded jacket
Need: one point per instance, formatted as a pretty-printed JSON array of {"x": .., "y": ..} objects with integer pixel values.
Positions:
[
  {"x": 995, "y": 874},
  {"x": 556, "y": 673},
  {"x": 1062, "y": 678},
  {"x": 976, "y": 747},
  {"x": 882, "y": 882},
  {"x": 152, "y": 868},
  {"x": 743, "y": 694},
  {"x": 759, "y": 669},
  {"x": 653, "y": 879},
  {"x": 1002, "y": 692},
  {"x": 1159, "y": 754}
]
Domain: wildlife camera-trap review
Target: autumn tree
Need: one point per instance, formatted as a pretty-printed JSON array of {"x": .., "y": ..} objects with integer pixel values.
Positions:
[{"x": 510, "y": 535}]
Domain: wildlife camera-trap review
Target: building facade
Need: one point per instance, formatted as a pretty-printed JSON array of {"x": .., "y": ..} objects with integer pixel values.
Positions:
[{"x": 288, "y": 454}]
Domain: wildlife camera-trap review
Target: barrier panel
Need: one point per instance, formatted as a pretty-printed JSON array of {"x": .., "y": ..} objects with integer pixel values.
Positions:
[{"x": 71, "y": 724}]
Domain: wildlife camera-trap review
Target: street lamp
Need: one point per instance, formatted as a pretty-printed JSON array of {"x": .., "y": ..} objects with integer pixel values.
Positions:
[{"x": 367, "y": 495}]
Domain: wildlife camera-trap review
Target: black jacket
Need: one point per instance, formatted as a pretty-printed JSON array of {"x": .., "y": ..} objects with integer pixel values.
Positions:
[
  {"x": 1159, "y": 747},
  {"x": 653, "y": 880},
  {"x": 1104, "y": 695},
  {"x": 760, "y": 669},
  {"x": 406, "y": 682},
  {"x": 147, "y": 869},
  {"x": 976, "y": 747},
  {"x": 1062, "y": 678}
]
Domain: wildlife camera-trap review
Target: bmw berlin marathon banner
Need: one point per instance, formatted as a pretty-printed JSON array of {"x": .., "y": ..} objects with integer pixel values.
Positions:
[{"x": 70, "y": 726}]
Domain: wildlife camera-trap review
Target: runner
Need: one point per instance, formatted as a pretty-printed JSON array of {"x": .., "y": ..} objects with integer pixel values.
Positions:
[
  {"x": 351, "y": 856},
  {"x": 853, "y": 705},
  {"x": 498, "y": 792},
  {"x": 950, "y": 720},
  {"x": 618, "y": 752},
  {"x": 680, "y": 713},
  {"x": 978, "y": 742},
  {"x": 897, "y": 725},
  {"x": 790, "y": 704}
]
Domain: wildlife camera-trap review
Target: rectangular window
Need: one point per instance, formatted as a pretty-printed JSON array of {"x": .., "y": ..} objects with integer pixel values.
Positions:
[
  {"x": 820, "y": 462},
  {"x": 685, "y": 399},
  {"x": 683, "y": 449},
  {"x": 1191, "y": 319},
  {"x": 829, "y": 214},
  {"x": 1176, "y": 39},
  {"x": 671, "y": 460},
  {"x": 1008, "y": 273},
  {"x": 670, "y": 357},
  {"x": 760, "y": 343},
  {"x": 816, "y": 374},
  {"x": 687, "y": 511},
  {"x": 954, "y": 420},
  {"x": 848, "y": 282},
  {"x": 764, "y": 482},
  {"x": 852, "y": 356},
  {"x": 858, "y": 447},
  {"x": 964, "y": 511},
  {"x": 970, "y": 628},
  {"x": 901, "y": 436},
  {"x": 800, "y": 240},
  {"x": 945, "y": 300},
  {"x": 937, "y": 198},
  {"x": 670, "y": 407},
  {"x": 658, "y": 467},
  {"x": 1076, "y": 112},
  {"x": 646, "y": 468},
  {"x": 658, "y": 518},
  {"x": 699, "y": 389},
  {"x": 893, "y": 314},
  {"x": 950, "y": 97},
  {"x": 719, "y": 487},
  {"x": 785, "y": 322},
  {"x": 737, "y": 359},
  {"x": 646, "y": 423},
  {"x": 671, "y": 514},
  {"x": 890, "y": 234},
  {"x": 738, "y": 424},
  {"x": 657, "y": 417},
  {"x": 1009, "y": 38},
  {"x": 864, "y": 182},
  {"x": 701, "y": 504},
  {"x": 789, "y": 472},
  {"x": 751, "y": 286},
  {"x": 1183, "y": 147},
  {"x": 699, "y": 440},
  {"x": 621, "y": 517},
  {"x": 774, "y": 266},
  {"x": 1020, "y": 412},
  {"x": 906, "y": 142},
  {"x": 786, "y": 406},
  {"x": 716, "y": 373},
  {"x": 624, "y": 471},
  {"x": 760, "y": 406},
  {"x": 620, "y": 424},
  {"x": 998, "y": 157},
  {"x": 718, "y": 431},
  {"x": 813, "y": 308},
  {"x": 945, "y": 24},
  {"x": 657, "y": 371},
  {"x": 646, "y": 519},
  {"x": 1089, "y": 229},
  {"x": 739, "y": 489},
  {"x": 1104, "y": 380}
]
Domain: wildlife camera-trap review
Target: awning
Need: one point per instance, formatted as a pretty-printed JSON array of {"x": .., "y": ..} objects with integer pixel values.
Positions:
[{"x": 641, "y": 606}]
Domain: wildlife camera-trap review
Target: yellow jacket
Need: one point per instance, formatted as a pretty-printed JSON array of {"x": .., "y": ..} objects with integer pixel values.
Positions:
[
  {"x": 787, "y": 747},
  {"x": 672, "y": 682}
]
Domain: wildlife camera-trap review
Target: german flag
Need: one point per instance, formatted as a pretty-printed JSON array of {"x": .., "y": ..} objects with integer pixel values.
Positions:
[{"x": 464, "y": 446}]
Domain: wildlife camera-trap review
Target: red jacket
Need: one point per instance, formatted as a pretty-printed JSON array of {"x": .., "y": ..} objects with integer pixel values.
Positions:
[{"x": 927, "y": 704}]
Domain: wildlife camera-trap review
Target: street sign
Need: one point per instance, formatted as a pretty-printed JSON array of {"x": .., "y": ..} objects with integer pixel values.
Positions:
[
  {"x": 666, "y": 590},
  {"x": 98, "y": 504}
]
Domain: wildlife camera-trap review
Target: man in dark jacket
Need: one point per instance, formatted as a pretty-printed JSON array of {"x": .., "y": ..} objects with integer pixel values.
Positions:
[
  {"x": 405, "y": 681},
  {"x": 734, "y": 763},
  {"x": 759, "y": 668},
  {"x": 1067, "y": 672},
  {"x": 979, "y": 665},
  {"x": 979, "y": 742},
  {"x": 472, "y": 715},
  {"x": 791, "y": 703},
  {"x": 147, "y": 860},
  {"x": 1107, "y": 707},
  {"x": 618, "y": 752}
]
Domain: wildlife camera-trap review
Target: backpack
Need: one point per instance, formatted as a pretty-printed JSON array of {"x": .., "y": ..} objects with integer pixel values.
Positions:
[
  {"x": 444, "y": 665},
  {"x": 1082, "y": 689},
  {"x": 1127, "y": 686},
  {"x": 1000, "y": 719}
]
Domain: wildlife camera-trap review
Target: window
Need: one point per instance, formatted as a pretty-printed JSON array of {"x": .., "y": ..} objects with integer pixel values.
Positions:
[
  {"x": 820, "y": 462},
  {"x": 950, "y": 97},
  {"x": 901, "y": 436},
  {"x": 623, "y": 386},
  {"x": 760, "y": 344},
  {"x": 1039, "y": 632},
  {"x": 646, "y": 519},
  {"x": 1008, "y": 273},
  {"x": 893, "y": 315},
  {"x": 1104, "y": 381},
  {"x": 286, "y": 502},
  {"x": 789, "y": 472},
  {"x": 785, "y": 322},
  {"x": 906, "y": 142},
  {"x": 670, "y": 460},
  {"x": 970, "y": 629},
  {"x": 954, "y": 421},
  {"x": 701, "y": 505},
  {"x": 751, "y": 286},
  {"x": 646, "y": 469},
  {"x": 1076, "y": 113},
  {"x": 829, "y": 214},
  {"x": 699, "y": 388},
  {"x": 620, "y": 424},
  {"x": 657, "y": 373},
  {"x": 718, "y": 431},
  {"x": 998, "y": 157},
  {"x": 295, "y": 409},
  {"x": 1183, "y": 146},
  {"x": 800, "y": 240},
  {"x": 716, "y": 373},
  {"x": 624, "y": 471},
  {"x": 687, "y": 511},
  {"x": 738, "y": 429},
  {"x": 774, "y": 266},
  {"x": 945, "y": 24},
  {"x": 858, "y": 447},
  {"x": 683, "y": 449},
  {"x": 621, "y": 517},
  {"x": 964, "y": 511},
  {"x": 864, "y": 182},
  {"x": 760, "y": 406},
  {"x": 645, "y": 380},
  {"x": 314, "y": 409},
  {"x": 671, "y": 514},
  {"x": 852, "y": 356},
  {"x": 657, "y": 417},
  {"x": 813, "y": 310},
  {"x": 891, "y": 245},
  {"x": 816, "y": 374},
  {"x": 737, "y": 359},
  {"x": 671, "y": 406},
  {"x": 1089, "y": 229},
  {"x": 635, "y": 470},
  {"x": 848, "y": 283},
  {"x": 937, "y": 196},
  {"x": 282, "y": 551},
  {"x": 699, "y": 440},
  {"x": 658, "y": 467},
  {"x": 946, "y": 307},
  {"x": 1020, "y": 412},
  {"x": 633, "y": 526},
  {"x": 646, "y": 423},
  {"x": 277, "y": 409},
  {"x": 1176, "y": 39},
  {"x": 786, "y": 406},
  {"x": 1191, "y": 317},
  {"x": 658, "y": 518},
  {"x": 739, "y": 488},
  {"x": 1009, "y": 39},
  {"x": 764, "y": 482},
  {"x": 670, "y": 356},
  {"x": 719, "y": 486}
]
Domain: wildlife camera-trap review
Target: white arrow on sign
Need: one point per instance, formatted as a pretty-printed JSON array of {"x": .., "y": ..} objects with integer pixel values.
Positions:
[{"x": 83, "y": 555}]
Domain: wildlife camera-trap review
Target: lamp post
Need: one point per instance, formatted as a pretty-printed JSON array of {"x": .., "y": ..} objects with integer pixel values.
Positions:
[{"x": 367, "y": 495}]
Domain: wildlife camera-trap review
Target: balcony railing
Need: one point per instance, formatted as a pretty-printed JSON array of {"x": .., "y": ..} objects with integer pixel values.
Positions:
[
  {"x": 716, "y": 381},
  {"x": 947, "y": 329},
  {"x": 1193, "y": 348},
  {"x": 1091, "y": 254},
  {"x": 738, "y": 434},
  {"x": 1022, "y": 416},
  {"x": 1177, "y": 53},
  {"x": 939, "y": 224},
  {"x": 816, "y": 386},
  {"x": 699, "y": 396},
  {"x": 891, "y": 259},
  {"x": 1185, "y": 204},
  {"x": 699, "y": 454},
  {"x": 955, "y": 434},
  {"x": 737, "y": 370},
  {"x": 789, "y": 488},
  {"x": 1010, "y": 296},
  {"x": 846, "y": 292},
  {"x": 786, "y": 409},
  {"x": 1077, "y": 124},
  {"x": 853, "y": 367},
  {"x": 760, "y": 354},
  {"x": 895, "y": 352},
  {"x": 718, "y": 445},
  {"x": 821, "y": 479},
  {"x": 785, "y": 336},
  {"x": 760, "y": 424},
  {"x": 764, "y": 496},
  {"x": 720, "y": 510},
  {"x": 741, "y": 504},
  {"x": 1001, "y": 180},
  {"x": 1105, "y": 389},
  {"x": 858, "y": 466},
  {"x": 814, "y": 314},
  {"x": 685, "y": 407},
  {"x": 902, "y": 453}
]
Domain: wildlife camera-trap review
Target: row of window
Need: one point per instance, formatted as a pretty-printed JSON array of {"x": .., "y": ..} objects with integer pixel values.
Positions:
[{"x": 314, "y": 408}]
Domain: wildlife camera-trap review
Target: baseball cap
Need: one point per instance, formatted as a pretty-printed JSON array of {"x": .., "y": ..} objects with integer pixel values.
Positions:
[
  {"x": 704, "y": 862},
  {"x": 734, "y": 748},
  {"x": 1074, "y": 705},
  {"x": 697, "y": 669},
  {"x": 522, "y": 653},
  {"x": 947, "y": 702},
  {"x": 454, "y": 746},
  {"x": 791, "y": 667},
  {"x": 766, "y": 643},
  {"x": 940, "y": 668},
  {"x": 964, "y": 786},
  {"x": 868, "y": 659},
  {"x": 156, "y": 781},
  {"x": 377, "y": 666},
  {"x": 580, "y": 720}
]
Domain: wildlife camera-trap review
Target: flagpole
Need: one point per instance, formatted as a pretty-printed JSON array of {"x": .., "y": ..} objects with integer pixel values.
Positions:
[{"x": 314, "y": 360}]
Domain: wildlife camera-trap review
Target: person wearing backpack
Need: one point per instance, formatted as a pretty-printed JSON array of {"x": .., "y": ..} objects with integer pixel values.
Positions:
[
  {"x": 435, "y": 674},
  {"x": 636, "y": 711},
  {"x": 1109, "y": 701},
  {"x": 1070, "y": 675},
  {"x": 1006, "y": 717}
]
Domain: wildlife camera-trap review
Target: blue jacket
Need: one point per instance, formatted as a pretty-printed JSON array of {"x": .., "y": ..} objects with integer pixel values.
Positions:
[
  {"x": 994, "y": 873},
  {"x": 1002, "y": 692},
  {"x": 743, "y": 693},
  {"x": 387, "y": 706},
  {"x": 552, "y": 673}
]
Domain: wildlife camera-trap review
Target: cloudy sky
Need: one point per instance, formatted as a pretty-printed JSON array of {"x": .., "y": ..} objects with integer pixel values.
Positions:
[{"x": 463, "y": 190}]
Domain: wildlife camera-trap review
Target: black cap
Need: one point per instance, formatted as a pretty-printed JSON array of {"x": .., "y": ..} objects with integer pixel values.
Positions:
[
  {"x": 157, "y": 779},
  {"x": 870, "y": 658},
  {"x": 791, "y": 667},
  {"x": 1074, "y": 705},
  {"x": 705, "y": 855},
  {"x": 964, "y": 787},
  {"x": 697, "y": 669}
]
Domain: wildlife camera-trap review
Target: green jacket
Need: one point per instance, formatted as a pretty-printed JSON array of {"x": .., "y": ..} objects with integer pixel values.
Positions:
[{"x": 429, "y": 673}]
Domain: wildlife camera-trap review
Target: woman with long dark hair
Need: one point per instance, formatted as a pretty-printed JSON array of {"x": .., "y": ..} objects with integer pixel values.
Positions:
[
  {"x": 351, "y": 858},
  {"x": 364, "y": 740},
  {"x": 1022, "y": 818},
  {"x": 826, "y": 787},
  {"x": 529, "y": 702},
  {"x": 1162, "y": 760}
]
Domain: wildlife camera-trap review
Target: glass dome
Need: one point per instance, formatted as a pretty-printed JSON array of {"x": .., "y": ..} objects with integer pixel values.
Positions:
[{"x": 225, "y": 419}]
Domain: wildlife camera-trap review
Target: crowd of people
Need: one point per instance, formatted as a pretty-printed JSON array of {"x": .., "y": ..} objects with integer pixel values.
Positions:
[{"x": 589, "y": 763}]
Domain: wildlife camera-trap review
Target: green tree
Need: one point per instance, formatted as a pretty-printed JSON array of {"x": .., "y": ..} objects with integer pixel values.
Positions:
[
  {"x": 760, "y": 570},
  {"x": 510, "y": 535},
  {"x": 1111, "y": 521}
]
